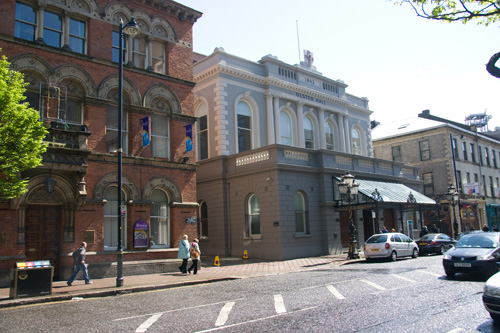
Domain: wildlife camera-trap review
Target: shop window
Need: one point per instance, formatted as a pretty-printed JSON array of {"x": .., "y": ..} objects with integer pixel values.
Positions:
[
  {"x": 159, "y": 220},
  {"x": 252, "y": 220},
  {"x": 244, "y": 116},
  {"x": 25, "y": 26}
]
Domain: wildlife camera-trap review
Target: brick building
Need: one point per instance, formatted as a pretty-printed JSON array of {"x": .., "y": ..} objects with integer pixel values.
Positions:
[{"x": 68, "y": 51}]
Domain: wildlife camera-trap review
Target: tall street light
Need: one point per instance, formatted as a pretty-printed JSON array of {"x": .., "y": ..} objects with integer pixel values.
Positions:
[
  {"x": 452, "y": 197},
  {"x": 349, "y": 191},
  {"x": 132, "y": 30}
]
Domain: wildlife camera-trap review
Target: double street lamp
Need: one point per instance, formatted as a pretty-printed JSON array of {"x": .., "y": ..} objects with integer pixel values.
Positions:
[
  {"x": 348, "y": 192},
  {"x": 452, "y": 197},
  {"x": 132, "y": 30}
]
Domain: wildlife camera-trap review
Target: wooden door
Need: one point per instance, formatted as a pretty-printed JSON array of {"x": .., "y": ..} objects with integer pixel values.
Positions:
[
  {"x": 43, "y": 234},
  {"x": 389, "y": 219}
]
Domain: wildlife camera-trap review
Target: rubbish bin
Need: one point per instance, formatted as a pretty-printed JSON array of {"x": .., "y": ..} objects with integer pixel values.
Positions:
[{"x": 31, "y": 278}]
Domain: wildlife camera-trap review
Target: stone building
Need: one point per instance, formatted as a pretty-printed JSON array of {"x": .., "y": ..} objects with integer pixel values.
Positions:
[
  {"x": 68, "y": 51},
  {"x": 273, "y": 141},
  {"x": 447, "y": 153}
]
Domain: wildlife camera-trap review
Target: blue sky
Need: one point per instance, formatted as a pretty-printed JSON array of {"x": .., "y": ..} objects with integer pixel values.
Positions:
[{"x": 403, "y": 64}]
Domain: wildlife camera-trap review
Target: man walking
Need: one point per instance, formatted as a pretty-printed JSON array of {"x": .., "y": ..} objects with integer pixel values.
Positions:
[{"x": 79, "y": 265}]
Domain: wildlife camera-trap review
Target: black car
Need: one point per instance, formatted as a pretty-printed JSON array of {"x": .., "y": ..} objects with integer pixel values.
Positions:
[
  {"x": 474, "y": 253},
  {"x": 435, "y": 243}
]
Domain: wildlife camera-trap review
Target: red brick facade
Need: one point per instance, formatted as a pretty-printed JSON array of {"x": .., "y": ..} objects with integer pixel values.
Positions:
[{"x": 79, "y": 157}]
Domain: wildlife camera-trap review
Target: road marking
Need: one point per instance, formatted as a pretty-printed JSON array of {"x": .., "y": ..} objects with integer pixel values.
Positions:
[
  {"x": 430, "y": 273},
  {"x": 456, "y": 330},
  {"x": 147, "y": 324},
  {"x": 224, "y": 314},
  {"x": 403, "y": 278},
  {"x": 374, "y": 285},
  {"x": 257, "y": 320},
  {"x": 335, "y": 292},
  {"x": 279, "y": 304}
]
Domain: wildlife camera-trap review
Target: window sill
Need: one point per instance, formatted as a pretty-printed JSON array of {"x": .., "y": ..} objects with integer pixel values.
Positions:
[{"x": 303, "y": 236}]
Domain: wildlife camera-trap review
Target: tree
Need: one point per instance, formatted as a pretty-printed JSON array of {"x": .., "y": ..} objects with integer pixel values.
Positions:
[
  {"x": 21, "y": 133},
  {"x": 484, "y": 12}
]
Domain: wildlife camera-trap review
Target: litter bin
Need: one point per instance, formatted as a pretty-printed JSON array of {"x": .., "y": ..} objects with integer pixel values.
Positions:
[{"x": 31, "y": 278}]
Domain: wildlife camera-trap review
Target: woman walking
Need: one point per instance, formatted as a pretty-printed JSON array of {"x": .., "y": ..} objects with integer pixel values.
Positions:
[
  {"x": 183, "y": 253},
  {"x": 195, "y": 255}
]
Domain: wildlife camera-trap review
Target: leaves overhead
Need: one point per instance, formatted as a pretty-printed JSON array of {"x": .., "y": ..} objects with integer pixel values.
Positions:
[
  {"x": 21, "y": 133},
  {"x": 482, "y": 11}
]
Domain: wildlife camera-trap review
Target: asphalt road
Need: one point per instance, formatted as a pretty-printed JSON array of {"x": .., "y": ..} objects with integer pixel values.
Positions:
[{"x": 409, "y": 295}]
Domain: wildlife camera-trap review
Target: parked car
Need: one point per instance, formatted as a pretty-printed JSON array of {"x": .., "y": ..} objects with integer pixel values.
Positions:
[
  {"x": 391, "y": 246},
  {"x": 475, "y": 253},
  {"x": 491, "y": 297},
  {"x": 435, "y": 243}
]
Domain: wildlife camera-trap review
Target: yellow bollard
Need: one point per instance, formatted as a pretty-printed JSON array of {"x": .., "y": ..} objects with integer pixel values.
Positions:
[
  {"x": 217, "y": 261},
  {"x": 245, "y": 254}
]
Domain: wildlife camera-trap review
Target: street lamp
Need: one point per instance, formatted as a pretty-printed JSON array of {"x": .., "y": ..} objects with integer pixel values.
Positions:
[
  {"x": 132, "y": 30},
  {"x": 348, "y": 191},
  {"x": 452, "y": 196}
]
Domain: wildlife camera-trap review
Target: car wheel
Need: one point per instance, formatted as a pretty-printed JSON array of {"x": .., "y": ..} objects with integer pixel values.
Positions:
[
  {"x": 415, "y": 253},
  {"x": 495, "y": 317},
  {"x": 442, "y": 249},
  {"x": 450, "y": 274},
  {"x": 394, "y": 256}
]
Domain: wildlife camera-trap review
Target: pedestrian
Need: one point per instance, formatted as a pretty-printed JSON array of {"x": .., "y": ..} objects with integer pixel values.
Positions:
[
  {"x": 195, "y": 256},
  {"x": 79, "y": 265},
  {"x": 183, "y": 253},
  {"x": 384, "y": 230},
  {"x": 485, "y": 228},
  {"x": 424, "y": 231},
  {"x": 393, "y": 230},
  {"x": 434, "y": 229}
]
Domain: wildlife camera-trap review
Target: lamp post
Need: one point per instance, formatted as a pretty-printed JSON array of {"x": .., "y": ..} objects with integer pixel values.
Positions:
[
  {"x": 349, "y": 190},
  {"x": 132, "y": 30},
  {"x": 452, "y": 196}
]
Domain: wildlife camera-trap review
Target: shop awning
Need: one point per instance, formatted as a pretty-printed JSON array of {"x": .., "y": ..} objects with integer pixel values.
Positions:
[{"x": 392, "y": 192}]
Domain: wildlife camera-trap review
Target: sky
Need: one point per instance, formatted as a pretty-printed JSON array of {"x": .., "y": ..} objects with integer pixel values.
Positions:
[{"x": 402, "y": 63}]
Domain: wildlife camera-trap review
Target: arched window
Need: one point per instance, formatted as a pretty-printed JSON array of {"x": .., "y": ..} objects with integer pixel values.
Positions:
[
  {"x": 308, "y": 133},
  {"x": 244, "y": 114},
  {"x": 252, "y": 221},
  {"x": 329, "y": 136},
  {"x": 202, "y": 131},
  {"x": 299, "y": 206},
  {"x": 203, "y": 217},
  {"x": 286, "y": 128},
  {"x": 111, "y": 219},
  {"x": 159, "y": 220},
  {"x": 356, "y": 142},
  {"x": 112, "y": 124},
  {"x": 160, "y": 126}
]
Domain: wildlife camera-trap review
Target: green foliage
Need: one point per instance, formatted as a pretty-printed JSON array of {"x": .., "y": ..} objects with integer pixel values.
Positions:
[
  {"x": 21, "y": 134},
  {"x": 481, "y": 11}
]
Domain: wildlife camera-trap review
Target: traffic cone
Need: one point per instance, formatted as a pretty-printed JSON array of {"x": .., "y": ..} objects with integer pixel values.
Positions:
[
  {"x": 217, "y": 261},
  {"x": 245, "y": 254}
]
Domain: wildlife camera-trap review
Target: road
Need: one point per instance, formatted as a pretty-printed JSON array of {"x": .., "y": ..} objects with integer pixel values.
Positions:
[{"x": 409, "y": 295}]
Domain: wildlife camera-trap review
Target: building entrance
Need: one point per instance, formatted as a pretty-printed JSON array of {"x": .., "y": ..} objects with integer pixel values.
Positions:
[{"x": 43, "y": 234}]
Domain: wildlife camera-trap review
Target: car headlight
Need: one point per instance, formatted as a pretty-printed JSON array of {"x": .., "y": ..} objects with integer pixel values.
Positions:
[
  {"x": 487, "y": 257},
  {"x": 447, "y": 256},
  {"x": 492, "y": 291}
]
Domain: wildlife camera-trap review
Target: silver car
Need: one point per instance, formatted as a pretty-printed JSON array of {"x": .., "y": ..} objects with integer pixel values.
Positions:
[{"x": 391, "y": 246}]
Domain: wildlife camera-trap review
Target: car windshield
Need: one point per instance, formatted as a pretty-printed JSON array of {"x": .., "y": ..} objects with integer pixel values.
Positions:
[
  {"x": 377, "y": 239},
  {"x": 478, "y": 240}
]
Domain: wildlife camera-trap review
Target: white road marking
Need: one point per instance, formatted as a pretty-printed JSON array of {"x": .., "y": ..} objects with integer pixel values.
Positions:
[
  {"x": 279, "y": 304},
  {"x": 374, "y": 285},
  {"x": 456, "y": 330},
  {"x": 147, "y": 324},
  {"x": 335, "y": 292},
  {"x": 404, "y": 278},
  {"x": 430, "y": 273},
  {"x": 224, "y": 314}
]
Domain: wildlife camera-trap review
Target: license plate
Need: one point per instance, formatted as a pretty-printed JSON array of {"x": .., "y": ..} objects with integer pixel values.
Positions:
[
  {"x": 462, "y": 264},
  {"x": 374, "y": 250},
  {"x": 422, "y": 243}
]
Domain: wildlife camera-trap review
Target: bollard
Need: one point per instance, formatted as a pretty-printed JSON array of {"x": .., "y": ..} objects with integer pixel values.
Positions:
[
  {"x": 217, "y": 261},
  {"x": 245, "y": 254}
]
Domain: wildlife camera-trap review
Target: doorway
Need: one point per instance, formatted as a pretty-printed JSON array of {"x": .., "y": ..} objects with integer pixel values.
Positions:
[{"x": 43, "y": 234}]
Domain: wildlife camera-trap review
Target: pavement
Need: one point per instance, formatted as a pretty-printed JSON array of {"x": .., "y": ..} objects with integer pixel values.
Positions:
[{"x": 228, "y": 269}]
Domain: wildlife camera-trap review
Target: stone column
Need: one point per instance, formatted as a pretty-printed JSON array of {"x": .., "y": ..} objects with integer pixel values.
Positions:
[
  {"x": 65, "y": 43},
  {"x": 39, "y": 24},
  {"x": 271, "y": 139},
  {"x": 322, "y": 139},
  {"x": 342, "y": 145},
  {"x": 277, "y": 118},
  {"x": 347, "y": 136},
  {"x": 300, "y": 125}
]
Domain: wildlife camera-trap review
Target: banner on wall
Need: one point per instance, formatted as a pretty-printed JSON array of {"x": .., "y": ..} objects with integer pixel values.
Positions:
[
  {"x": 189, "y": 137},
  {"x": 145, "y": 131}
]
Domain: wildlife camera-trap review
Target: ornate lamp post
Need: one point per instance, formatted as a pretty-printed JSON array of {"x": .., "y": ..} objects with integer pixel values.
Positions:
[
  {"x": 452, "y": 197},
  {"x": 349, "y": 191},
  {"x": 132, "y": 30}
]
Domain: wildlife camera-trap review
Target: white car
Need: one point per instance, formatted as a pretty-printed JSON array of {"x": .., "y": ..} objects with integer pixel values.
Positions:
[
  {"x": 491, "y": 297},
  {"x": 391, "y": 246}
]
